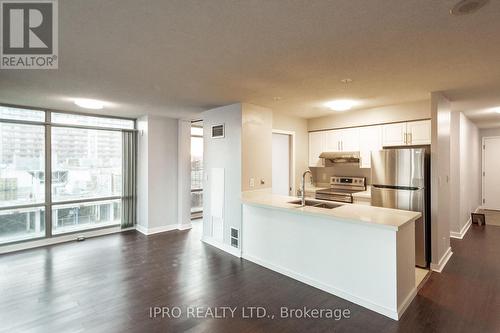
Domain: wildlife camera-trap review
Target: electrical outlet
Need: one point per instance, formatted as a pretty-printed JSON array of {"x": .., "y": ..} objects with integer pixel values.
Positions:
[{"x": 252, "y": 182}]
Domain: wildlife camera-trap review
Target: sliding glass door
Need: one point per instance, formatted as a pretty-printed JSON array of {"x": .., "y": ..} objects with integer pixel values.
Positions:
[{"x": 83, "y": 156}]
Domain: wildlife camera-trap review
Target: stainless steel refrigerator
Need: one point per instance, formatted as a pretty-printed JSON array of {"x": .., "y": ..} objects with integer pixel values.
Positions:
[{"x": 400, "y": 179}]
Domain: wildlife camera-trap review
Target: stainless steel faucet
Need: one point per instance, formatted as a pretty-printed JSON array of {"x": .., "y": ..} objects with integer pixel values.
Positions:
[{"x": 304, "y": 186}]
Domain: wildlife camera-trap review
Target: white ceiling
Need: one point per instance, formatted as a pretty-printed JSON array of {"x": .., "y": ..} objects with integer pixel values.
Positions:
[{"x": 180, "y": 57}]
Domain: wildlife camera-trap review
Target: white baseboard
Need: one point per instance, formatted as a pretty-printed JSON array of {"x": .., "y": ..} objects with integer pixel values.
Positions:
[
  {"x": 151, "y": 231},
  {"x": 461, "y": 234},
  {"x": 407, "y": 301},
  {"x": 442, "y": 262},
  {"x": 224, "y": 247},
  {"x": 185, "y": 226},
  {"x": 465, "y": 228},
  {"x": 60, "y": 239},
  {"x": 391, "y": 313}
]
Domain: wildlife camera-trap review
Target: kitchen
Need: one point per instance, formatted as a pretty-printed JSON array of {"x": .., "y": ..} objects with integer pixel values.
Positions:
[{"x": 338, "y": 202}]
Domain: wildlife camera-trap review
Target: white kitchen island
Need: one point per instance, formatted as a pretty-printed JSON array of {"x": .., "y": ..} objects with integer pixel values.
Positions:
[{"x": 363, "y": 254}]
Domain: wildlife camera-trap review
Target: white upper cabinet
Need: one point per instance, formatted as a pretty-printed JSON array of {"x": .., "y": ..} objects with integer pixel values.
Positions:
[
  {"x": 342, "y": 140},
  {"x": 407, "y": 134},
  {"x": 370, "y": 139},
  {"x": 333, "y": 140},
  {"x": 419, "y": 132},
  {"x": 317, "y": 145},
  {"x": 394, "y": 134},
  {"x": 350, "y": 139}
]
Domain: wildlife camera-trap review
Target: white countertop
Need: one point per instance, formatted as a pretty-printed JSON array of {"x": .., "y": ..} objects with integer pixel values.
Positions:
[
  {"x": 378, "y": 216},
  {"x": 365, "y": 194}
]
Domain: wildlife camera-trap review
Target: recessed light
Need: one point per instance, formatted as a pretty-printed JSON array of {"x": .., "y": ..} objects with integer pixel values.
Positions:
[
  {"x": 341, "y": 104},
  {"x": 497, "y": 109},
  {"x": 465, "y": 7},
  {"x": 89, "y": 103}
]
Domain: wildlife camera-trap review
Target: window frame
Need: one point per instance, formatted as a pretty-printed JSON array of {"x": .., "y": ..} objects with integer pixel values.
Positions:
[
  {"x": 48, "y": 204},
  {"x": 196, "y": 213}
]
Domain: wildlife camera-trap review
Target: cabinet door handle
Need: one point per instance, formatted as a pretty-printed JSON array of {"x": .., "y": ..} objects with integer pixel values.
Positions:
[
  {"x": 410, "y": 138},
  {"x": 338, "y": 145},
  {"x": 405, "y": 138}
]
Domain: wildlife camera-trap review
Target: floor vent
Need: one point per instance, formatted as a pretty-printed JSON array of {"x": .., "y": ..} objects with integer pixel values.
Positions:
[
  {"x": 218, "y": 131},
  {"x": 235, "y": 238}
]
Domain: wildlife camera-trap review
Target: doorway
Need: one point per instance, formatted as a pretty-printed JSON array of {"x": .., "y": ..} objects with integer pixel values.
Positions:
[
  {"x": 491, "y": 176},
  {"x": 283, "y": 180}
]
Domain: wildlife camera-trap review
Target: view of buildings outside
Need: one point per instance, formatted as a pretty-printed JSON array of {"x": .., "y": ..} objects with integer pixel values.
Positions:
[
  {"x": 22, "y": 165},
  {"x": 86, "y": 164},
  {"x": 196, "y": 170}
]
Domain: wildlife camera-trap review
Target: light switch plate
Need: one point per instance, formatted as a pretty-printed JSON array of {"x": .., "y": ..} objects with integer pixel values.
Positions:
[{"x": 252, "y": 182}]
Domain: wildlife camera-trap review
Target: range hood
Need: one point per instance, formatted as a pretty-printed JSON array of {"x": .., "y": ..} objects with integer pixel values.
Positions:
[{"x": 340, "y": 157}]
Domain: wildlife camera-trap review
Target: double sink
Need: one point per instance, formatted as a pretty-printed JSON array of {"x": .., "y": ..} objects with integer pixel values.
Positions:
[{"x": 317, "y": 204}]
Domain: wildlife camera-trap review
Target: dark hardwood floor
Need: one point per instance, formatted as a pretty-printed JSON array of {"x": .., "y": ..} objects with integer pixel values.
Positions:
[{"x": 108, "y": 284}]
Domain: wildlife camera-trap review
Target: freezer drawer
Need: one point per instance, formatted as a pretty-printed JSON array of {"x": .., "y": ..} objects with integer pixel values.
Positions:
[{"x": 406, "y": 200}]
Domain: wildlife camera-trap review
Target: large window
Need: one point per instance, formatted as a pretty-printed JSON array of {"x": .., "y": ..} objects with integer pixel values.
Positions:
[
  {"x": 22, "y": 164},
  {"x": 88, "y": 163},
  {"x": 196, "y": 170},
  {"x": 86, "y": 168}
]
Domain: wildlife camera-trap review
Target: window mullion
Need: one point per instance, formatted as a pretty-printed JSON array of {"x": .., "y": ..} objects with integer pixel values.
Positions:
[{"x": 48, "y": 175}]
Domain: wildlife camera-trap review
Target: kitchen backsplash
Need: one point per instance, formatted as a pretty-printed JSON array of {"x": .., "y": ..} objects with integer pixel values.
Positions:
[{"x": 322, "y": 176}]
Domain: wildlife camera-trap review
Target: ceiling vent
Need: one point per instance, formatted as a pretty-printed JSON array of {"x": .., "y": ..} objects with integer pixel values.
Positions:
[
  {"x": 218, "y": 131},
  {"x": 465, "y": 7}
]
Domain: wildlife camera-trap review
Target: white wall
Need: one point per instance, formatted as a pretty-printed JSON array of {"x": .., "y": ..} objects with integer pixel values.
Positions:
[
  {"x": 157, "y": 185},
  {"x": 455, "y": 147},
  {"x": 184, "y": 177},
  {"x": 256, "y": 152},
  {"x": 380, "y": 115},
  {"x": 440, "y": 173},
  {"x": 470, "y": 172},
  {"x": 489, "y": 132},
  {"x": 142, "y": 172},
  {"x": 299, "y": 126},
  {"x": 223, "y": 153}
]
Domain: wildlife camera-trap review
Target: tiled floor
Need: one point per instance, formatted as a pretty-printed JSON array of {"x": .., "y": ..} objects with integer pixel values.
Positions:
[{"x": 420, "y": 275}]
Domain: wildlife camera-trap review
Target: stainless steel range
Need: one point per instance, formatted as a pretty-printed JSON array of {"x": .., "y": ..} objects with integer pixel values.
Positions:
[{"x": 342, "y": 188}]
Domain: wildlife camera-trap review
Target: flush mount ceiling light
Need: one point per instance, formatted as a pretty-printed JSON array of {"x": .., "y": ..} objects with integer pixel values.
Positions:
[
  {"x": 497, "y": 109},
  {"x": 89, "y": 103},
  {"x": 465, "y": 7},
  {"x": 341, "y": 104}
]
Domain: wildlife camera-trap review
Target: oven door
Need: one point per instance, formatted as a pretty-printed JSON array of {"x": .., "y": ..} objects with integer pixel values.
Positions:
[{"x": 334, "y": 197}]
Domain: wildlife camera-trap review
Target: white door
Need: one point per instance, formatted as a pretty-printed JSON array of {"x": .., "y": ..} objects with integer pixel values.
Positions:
[
  {"x": 317, "y": 145},
  {"x": 491, "y": 176},
  {"x": 333, "y": 140},
  {"x": 281, "y": 164},
  {"x": 419, "y": 132},
  {"x": 370, "y": 139},
  {"x": 350, "y": 139},
  {"x": 394, "y": 134}
]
